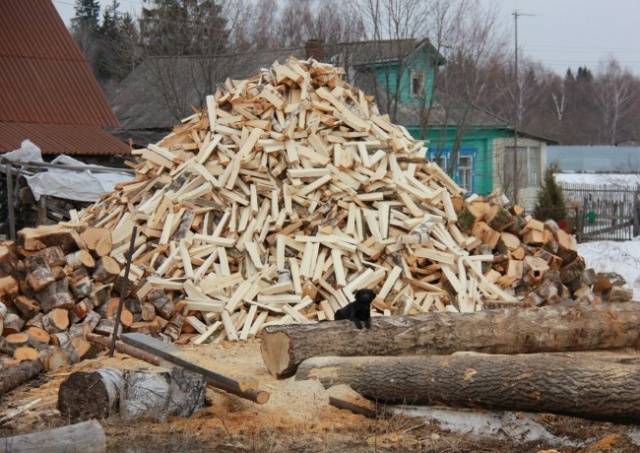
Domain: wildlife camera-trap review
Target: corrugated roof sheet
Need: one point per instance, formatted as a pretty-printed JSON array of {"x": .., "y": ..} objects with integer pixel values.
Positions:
[
  {"x": 45, "y": 81},
  {"x": 62, "y": 139}
]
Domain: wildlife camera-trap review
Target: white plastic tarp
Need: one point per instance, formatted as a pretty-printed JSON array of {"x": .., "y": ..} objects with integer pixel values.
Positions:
[{"x": 71, "y": 185}]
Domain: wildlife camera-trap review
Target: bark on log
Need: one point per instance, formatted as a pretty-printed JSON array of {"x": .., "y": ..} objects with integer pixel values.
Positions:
[
  {"x": 11, "y": 378},
  {"x": 85, "y": 437},
  {"x": 506, "y": 331},
  {"x": 131, "y": 393},
  {"x": 87, "y": 395},
  {"x": 55, "y": 295},
  {"x": 575, "y": 384}
]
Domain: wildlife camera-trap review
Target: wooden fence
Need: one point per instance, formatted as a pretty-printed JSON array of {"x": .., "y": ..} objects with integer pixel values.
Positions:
[{"x": 604, "y": 212}]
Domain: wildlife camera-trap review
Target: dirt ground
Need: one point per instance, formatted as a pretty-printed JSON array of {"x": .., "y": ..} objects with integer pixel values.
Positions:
[{"x": 297, "y": 418}]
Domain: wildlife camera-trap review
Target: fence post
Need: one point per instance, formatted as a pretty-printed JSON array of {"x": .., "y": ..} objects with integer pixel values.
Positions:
[
  {"x": 636, "y": 214},
  {"x": 579, "y": 224}
]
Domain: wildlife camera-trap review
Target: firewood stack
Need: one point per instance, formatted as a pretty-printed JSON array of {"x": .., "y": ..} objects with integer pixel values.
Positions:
[
  {"x": 47, "y": 299},
  {"x": 536, "y": 261},
  {"x": 279, "y": 200}
]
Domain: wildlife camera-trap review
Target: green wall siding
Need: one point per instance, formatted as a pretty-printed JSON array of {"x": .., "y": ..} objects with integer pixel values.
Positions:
[
  {"x": 477, "y": 142},
  {"x": 386, "y": 77}
]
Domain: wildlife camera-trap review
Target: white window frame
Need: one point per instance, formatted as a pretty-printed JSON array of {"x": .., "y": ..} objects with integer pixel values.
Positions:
[
  {"x": 417, "y": 74},
  {"x": 466, "y": 182}
]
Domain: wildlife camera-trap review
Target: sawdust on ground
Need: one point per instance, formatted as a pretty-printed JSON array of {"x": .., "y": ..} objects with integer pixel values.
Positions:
[{"x": 297, "y": 416}]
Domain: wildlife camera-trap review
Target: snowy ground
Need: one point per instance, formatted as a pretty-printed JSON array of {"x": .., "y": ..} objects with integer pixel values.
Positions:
[
  {"x": 619, "y": 180},
  {"x": 612, "y": 256}
]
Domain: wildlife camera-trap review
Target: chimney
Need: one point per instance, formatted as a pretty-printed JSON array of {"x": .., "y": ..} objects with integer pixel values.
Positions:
[{"x": 314, "y": 48}]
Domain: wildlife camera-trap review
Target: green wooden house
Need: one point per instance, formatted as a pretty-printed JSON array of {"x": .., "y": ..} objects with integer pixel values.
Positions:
[{"x": 402, "y": 81}]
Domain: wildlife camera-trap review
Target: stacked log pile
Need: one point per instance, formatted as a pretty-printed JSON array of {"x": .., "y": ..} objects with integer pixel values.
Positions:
[
  {"x": 49, "y": 299},
  {"x": 536, "y": 261}
]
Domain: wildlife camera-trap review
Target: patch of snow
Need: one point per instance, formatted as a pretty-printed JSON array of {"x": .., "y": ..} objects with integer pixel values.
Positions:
[
  {"x": 612, "y": 256},
  {"x": 520, "y": 426},
  {"x": 603, "y": 179}
]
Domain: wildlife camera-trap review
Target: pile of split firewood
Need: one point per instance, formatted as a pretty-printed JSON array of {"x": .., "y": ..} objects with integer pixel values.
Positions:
[
  {"x": 272, "y": 206},
  {"x": 288, "y": 193}
]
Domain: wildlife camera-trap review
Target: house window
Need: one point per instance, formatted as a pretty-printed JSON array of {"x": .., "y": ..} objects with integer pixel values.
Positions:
[
  {"x": 528, "y": 166},
  {"x": 465, "y": 172},
  {"x": 417, "y": 83}
]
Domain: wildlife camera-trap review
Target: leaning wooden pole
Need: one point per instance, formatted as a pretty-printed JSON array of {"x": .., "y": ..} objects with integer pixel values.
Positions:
[
  {"x": 572, "y": 383},
  {"x": 506, "y": 331},
  {"x": 86, "y": 437}
]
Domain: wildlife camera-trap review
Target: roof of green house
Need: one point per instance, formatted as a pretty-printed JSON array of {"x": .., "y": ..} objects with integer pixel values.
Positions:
[{"x": 162, "y": 90}]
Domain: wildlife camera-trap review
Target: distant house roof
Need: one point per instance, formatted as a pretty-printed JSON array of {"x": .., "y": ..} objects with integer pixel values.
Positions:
[
  {"x": 595, "y": 159},
  {"x": 47, "y": 91},
  {"x": 163, "y": 90}
]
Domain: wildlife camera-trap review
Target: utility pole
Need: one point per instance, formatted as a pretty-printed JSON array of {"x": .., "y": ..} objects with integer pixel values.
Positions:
[{"x": 516, "y": 123}]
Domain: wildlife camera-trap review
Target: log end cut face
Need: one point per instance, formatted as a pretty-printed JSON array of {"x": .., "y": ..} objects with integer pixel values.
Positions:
[{"x": 275, "y": 350}]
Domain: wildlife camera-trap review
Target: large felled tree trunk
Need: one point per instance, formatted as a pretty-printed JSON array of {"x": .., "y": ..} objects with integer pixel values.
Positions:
[
  {"x": 508, "y": 331},
  {"x": 575, "y": 383},
  {"x": 86, "y": 437}
]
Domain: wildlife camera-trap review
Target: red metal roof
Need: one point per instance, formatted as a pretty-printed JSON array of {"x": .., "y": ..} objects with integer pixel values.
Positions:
[
  {"x": 45, "y": 81},
  {"x": 62, "y": 139}
]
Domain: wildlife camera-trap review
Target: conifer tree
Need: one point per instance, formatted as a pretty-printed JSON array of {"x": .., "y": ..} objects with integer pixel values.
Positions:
[{"x": 550, "y": 203}]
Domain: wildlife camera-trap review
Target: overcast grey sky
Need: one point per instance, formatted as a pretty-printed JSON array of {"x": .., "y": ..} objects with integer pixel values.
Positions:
[{"x": 562, "y": 33}]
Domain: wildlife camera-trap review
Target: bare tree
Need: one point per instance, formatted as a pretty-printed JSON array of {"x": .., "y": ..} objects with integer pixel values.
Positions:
[{"x": 614, "y": 94}]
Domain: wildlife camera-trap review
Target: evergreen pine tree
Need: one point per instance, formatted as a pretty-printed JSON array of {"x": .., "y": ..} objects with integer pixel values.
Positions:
[
  {"x": 85, "y": 29},
  {"x": 183, "y": 27},
  {"x": 87, "y": 14},
  {"x": 550, "y": 203}
]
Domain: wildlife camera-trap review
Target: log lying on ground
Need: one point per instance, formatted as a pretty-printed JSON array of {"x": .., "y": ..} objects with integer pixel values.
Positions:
[
  {"x": 509, "y": 331},
  {"x": 86, "y": 437},
  {"x": 131, "y": 393},
  {"x": 87, "y": 395},
  {"x": 570, "y": 383},
  {"x": 12, "y": 377}
]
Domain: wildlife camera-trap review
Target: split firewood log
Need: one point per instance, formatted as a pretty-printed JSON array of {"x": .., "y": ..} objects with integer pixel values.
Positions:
[
  {"x": 80, "y": 258},
  {"x": 106, "y": 270},
  {"x": 97, "y": 240},
  {"x": 33, "y": 239}
]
